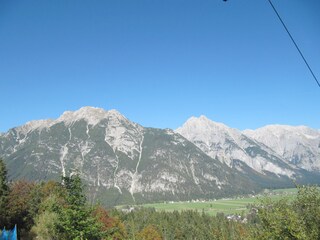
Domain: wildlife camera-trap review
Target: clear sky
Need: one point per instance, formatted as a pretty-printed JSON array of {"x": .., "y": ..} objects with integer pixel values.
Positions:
[{"x": 160, "y": 62}]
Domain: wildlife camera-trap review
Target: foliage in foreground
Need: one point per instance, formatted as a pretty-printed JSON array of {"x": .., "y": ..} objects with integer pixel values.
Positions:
[
  {"x": 59, "y": 210},
  {"x": 290, "y": 219},
  {"x": 146, "y": 222},
  {"x": 50, "y": 210}
]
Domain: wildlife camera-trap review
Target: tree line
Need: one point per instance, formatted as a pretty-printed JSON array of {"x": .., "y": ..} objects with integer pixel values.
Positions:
[{"x": 60, "y": 210}]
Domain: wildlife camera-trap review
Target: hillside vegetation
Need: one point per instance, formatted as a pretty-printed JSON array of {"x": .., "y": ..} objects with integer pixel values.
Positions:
[{"x": 59, "y": 210}]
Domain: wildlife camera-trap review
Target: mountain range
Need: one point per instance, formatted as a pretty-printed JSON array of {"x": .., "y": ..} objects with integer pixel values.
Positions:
[{"x": 122, "y": 162}]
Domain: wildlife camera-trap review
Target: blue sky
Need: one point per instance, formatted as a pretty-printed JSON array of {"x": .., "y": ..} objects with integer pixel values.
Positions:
[{"x": 160, "y": 62}]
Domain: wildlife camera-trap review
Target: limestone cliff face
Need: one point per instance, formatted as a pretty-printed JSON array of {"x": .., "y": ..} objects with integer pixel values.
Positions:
[
  {"x": 123, "y": 162},
  {"x": 299, "y": 146}
]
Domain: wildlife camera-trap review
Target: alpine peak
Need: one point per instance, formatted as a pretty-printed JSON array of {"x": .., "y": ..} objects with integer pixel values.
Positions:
[{"x": 92, "y": 115}]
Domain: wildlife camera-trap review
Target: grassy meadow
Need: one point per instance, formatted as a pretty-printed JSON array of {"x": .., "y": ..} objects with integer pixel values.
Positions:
[{"x": 227, "y": 206}]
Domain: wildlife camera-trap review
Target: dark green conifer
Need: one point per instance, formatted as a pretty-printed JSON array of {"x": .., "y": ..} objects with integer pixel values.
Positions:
[{"x": 4, "y": 191}]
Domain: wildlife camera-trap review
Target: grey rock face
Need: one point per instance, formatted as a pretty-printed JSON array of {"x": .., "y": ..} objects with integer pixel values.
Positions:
[
  {"x": 123, "y": 162},
  {"x": 118, "y": 157}
]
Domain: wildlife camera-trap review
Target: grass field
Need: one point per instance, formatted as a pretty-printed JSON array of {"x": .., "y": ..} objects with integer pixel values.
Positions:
[{"x": 227, "y": 206}]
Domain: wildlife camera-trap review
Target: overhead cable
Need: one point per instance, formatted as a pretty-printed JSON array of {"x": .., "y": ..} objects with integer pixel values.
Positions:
[{"x": 275, "y": 10}]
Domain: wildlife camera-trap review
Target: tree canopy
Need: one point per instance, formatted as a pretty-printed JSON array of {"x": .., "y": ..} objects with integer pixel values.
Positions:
[{"x": 60, "y": 211}]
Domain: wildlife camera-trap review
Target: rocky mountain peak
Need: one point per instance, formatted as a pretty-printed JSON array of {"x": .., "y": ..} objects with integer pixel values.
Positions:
[
  {"x": 207, "y": 131},
  {"x": 284, "y": 130},
  {"x": 124, "y": 160},
  {"x": 296, "y": 144},
  {"x": 228, "y": 144},
  {"x": 33, "y": 125},
  {"x": 92, "y": 115}
]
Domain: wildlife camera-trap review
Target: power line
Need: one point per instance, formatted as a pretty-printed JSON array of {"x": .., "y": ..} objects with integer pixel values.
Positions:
[{"x": 275, "y": 10}]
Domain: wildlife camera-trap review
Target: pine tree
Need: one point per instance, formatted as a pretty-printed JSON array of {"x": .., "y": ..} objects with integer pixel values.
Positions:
[
  {"x": 75, "y": 218},
  {"x": 4, "y": 191}
]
